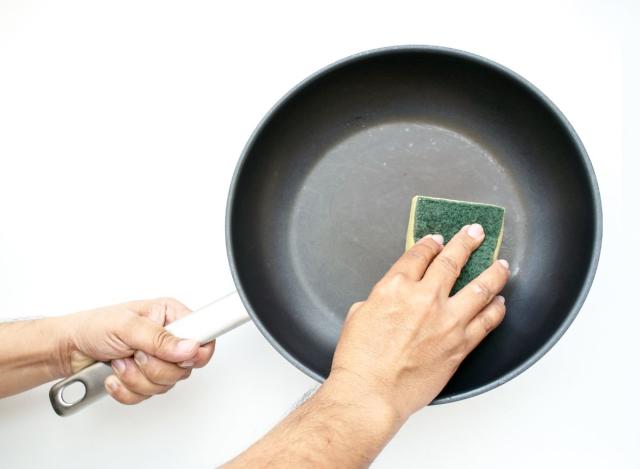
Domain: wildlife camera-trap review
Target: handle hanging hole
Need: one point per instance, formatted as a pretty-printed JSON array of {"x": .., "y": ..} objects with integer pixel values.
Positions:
[{"x": 73, "y": 393}]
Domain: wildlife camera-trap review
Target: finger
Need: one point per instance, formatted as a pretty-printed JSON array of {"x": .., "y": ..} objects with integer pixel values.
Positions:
[
  {"x": 139, "y": 333},
  {"x": 204, "y": 355},
  {"x": 158, "y": 371},
  {"x": 120, "y": 393},
  {"x": 446, "y": 267},
  {"x": 415, "y": 261},
  {"x": 480, "y": 291},
  {"x": 157, "y": 314},
  {"x": 175, "y": 310},
  {"x": 168, "y": 309},
  {"x": 485, "y": 321},
  {"x": 126, "y": 370},
  {"x": 354, "y": 308}
]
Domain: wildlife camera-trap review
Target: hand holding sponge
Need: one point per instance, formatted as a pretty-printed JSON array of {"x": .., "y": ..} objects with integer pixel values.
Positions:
[{"x": 431, "y": 215}]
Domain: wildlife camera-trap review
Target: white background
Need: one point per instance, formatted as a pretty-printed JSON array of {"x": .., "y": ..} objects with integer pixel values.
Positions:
[{"x": 120, "y": 126}]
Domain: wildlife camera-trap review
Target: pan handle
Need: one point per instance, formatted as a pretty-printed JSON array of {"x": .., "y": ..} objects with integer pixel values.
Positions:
[{"x": 203, "y": 325}]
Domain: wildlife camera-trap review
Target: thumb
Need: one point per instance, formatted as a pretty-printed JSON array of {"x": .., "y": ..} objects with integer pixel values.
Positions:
[{"x": 143, "y": 334}]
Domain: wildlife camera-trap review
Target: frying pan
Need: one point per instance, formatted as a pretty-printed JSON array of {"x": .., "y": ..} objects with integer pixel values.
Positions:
[{"x": 319, "y": 202}]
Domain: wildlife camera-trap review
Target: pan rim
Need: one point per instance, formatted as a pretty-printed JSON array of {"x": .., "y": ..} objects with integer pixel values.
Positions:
[{"x": 464, "y": 55}]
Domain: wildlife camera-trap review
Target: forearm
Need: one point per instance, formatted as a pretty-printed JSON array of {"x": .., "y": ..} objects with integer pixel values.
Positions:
[
  {"x": 342, "y": 425},
  {"x": 32, "y": 352}
]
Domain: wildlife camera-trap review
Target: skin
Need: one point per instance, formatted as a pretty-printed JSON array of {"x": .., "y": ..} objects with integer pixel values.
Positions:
[
  {"x": 146, "y": 359},
  {"x": 397, "y": 351}
]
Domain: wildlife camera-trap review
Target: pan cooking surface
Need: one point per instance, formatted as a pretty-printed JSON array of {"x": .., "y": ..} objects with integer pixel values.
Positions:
[{"x": 320, "y": 202}]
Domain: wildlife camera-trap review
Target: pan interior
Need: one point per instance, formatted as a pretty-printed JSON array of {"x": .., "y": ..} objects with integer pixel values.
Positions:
[{"x": 320, "y": 205}]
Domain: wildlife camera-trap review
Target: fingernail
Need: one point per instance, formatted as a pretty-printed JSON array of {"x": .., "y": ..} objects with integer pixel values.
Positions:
[
  {"x": 186, "y": 364},
  {"x": 188, "y": 345},
  {"x": 436, "y": 237},
  {"x": 119, "y": 365},
  {"x": 475, "y": 231},
  {"x": 140, "y": 357},
  {"x": 500, "y": 298},
  {"x": 505, "y": 263},
  {"x": 111, "y": 383}
]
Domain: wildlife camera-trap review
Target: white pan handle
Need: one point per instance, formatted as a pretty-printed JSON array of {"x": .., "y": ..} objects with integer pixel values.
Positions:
[{"x": 202, "y": 325}]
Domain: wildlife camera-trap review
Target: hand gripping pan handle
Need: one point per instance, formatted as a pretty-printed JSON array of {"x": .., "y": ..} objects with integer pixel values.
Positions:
[{"x": 202, "y": 325}]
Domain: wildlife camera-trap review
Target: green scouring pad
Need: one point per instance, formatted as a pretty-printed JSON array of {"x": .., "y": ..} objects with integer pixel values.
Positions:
[{"x": 430, "y": 215}]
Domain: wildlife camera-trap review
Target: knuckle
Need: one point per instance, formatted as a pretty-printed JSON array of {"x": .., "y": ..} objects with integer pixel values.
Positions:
[
  {"x": 130, "y": 320},
  {"x": 391, "y": 284},
  {"x": 163, "y": 389},
  {"x": 456, "y": 336},
  {"x": 380, "y": 288},
  {"x": 160, "y": 373},
  {"x": 124, "y": 397},
  {"x": 433, "y": 246},
  {"x": 447, "y": 325},
  {"x": 128, "y": 400},
  {"x": 355, "y": 306},
  {"x": 452, "y": 327},
  {"x": 491, "y": 318},
  {"x": 456, "y": 347},
  {"x": 449, "y": 264},
  {"x": 176, "y": 305},
  {"x": 123, "y": 392},
  {"x": 131, "y": 380},
  {"x": 467, "y": 242},
  {"x": 169, "y": 303},
  {"x": 124, "y": 376},
  {"x": 417, "y": 254},
  {"x": 425, "y": 297},
  {"x": 143, "y": 387},
  {"x": 481, "y": 289},
  {"x": 397, "y": 279},
  {"x": 426, "y": 249},
  {"x": 117, "y": 395},
  {"x": 125, "y": 373},
  {"x": 487, "y": 322},
  {"x": 162, "y": 339},
  {"x": 153, "y": 372},
  {"x": 456, "y": 357},
  {"x": 166, "y": 299}
]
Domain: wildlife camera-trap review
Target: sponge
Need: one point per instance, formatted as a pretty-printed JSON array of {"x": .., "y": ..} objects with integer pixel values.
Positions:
[{"x": 430, "y": 215}]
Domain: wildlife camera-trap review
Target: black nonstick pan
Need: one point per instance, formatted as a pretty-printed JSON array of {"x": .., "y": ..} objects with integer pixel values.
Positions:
[{"x": 319, "y": 203}]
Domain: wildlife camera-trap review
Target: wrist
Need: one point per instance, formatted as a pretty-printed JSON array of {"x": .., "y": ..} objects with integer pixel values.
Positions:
[
  {"x": 57, "y": 335},
  {"x": 46, "y": 350},
  {"x": 369, "y": 390},
  {"x": 370, "y": 410},
  {"x": 70, "y": 356},
  {"x": 52, "y": 332}
]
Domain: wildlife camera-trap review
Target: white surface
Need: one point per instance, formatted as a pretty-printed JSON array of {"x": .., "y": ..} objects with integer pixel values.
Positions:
[{"x": 120, "y": 125}]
